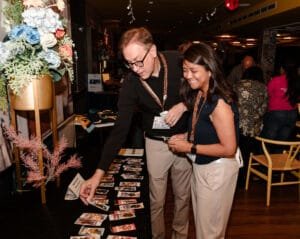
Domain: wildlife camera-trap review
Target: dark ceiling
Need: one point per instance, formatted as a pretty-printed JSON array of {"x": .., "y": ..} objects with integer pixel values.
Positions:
[{"x": 192, "y": 19}]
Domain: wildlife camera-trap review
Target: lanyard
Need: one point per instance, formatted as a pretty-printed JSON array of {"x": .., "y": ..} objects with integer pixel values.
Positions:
[
  {"x": 165, "y": 88},
  {"x": 196, "y": 114}
]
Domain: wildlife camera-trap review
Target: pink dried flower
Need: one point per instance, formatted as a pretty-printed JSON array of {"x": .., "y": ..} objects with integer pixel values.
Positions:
[
  {"x": 52, "y": 166},
  {"x": 65, "y": 51}
]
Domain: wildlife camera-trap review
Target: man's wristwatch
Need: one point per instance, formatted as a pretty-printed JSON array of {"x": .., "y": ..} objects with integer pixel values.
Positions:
[{"x": 193, "y": 149}]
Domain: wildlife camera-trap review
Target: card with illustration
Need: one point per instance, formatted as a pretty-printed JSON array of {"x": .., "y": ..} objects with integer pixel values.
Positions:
[
  {"x": 125, "y": 201},
  {"x": 122, "y": 194},
  {"x": 101, "y": 191},
  {"x": 132, "y": 206},
  {"x": 93, "y": 231},
  {"x": 130, "y": 184},
  {"x": 126, "y": 189},
  {"x": 119, "y": 237},
  {"x": 132, "y": 169},
  {"x": 120, "y": 215},
  {"x": 132, "y": 176},
  {"x": 106, "y": 185},
  {"x": 83, "y": 237},
  {"x": 123, "y": 228},
  {"x": 91, "y": 219}
]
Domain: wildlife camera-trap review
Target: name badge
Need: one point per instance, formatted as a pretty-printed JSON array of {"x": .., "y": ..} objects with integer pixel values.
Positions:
[{"x": 159, "y": 121}]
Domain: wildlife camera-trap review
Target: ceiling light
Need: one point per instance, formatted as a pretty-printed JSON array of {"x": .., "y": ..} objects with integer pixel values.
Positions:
[{"x": 225, "y": 36}]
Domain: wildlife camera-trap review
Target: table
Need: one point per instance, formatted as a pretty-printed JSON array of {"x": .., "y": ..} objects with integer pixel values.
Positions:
[{"x": 142, "y": 219}]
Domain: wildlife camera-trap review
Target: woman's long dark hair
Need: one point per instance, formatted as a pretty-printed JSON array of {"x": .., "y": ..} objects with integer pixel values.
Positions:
[
  {"x": 293, "y": 79},
  {"x": 204, "y": 55}
]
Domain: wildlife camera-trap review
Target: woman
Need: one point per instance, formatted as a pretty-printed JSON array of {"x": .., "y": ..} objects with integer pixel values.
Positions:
[
  {"x": 252, "y": 104},
  {"x": 283, "y": 93},
  {"x": 211, "y": 141}
]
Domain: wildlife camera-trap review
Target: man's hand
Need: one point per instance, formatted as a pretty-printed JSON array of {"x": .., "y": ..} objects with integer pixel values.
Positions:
[
  {"x": 88, "y": 188},
  {"x": 175, "y": 113}
]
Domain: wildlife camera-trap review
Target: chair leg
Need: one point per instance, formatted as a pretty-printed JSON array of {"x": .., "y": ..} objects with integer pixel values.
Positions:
[
  {"x": 248, "y": 172},
  {"x": 269, "y": 185}
]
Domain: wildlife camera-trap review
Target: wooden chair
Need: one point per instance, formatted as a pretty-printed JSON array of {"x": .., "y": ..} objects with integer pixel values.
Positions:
[{"x": 263, "y": 165}]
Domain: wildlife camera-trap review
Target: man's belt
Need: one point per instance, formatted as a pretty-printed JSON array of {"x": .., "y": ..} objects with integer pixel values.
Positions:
[{"x": 157, "y": 137}]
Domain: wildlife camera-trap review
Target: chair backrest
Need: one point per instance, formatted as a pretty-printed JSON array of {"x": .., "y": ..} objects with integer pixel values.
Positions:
[{"x": 290, "y": 155}]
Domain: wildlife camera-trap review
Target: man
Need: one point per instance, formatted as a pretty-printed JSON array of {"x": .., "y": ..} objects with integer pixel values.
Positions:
[
  {"x": 237, "y": 71},
  {"x": 153, "y": 86}
]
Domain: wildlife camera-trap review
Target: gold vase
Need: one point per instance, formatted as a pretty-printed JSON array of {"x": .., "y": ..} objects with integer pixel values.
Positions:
[{"x": 39, "y": 93}]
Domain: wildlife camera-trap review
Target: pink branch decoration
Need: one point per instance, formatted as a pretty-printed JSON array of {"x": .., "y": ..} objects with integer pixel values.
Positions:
[{"x": 53, "y": 167}]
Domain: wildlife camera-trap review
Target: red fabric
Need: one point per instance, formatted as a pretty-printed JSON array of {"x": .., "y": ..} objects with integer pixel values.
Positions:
[{"x": 277, "y": 88}]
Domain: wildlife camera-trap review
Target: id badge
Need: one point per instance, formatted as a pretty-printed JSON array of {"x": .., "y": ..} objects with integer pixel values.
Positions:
[{"x": 159, "y": 121}]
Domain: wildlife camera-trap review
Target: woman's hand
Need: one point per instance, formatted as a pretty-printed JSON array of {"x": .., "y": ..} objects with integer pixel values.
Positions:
[
  {"x": 88, "y": 188},
  {"x": 174, "y": 114},
  {"x": 179, "y": 144}
]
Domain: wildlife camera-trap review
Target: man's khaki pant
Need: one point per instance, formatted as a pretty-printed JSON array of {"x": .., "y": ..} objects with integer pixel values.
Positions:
[
  {"x": 160, "y": 160},
  {"x": 213, "y": 187}
]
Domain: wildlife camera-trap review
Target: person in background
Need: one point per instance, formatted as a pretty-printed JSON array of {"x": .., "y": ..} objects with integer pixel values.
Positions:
[
  {"x": 283, "y": 95},
  {"x": 153, "y": 87},
  {"x": 252, "y": 104},
  {"x": 237, "y": 71},
  {"x": 211, "y": 141}
]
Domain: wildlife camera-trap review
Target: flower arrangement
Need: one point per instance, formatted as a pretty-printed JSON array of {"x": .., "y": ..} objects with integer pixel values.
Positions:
[
  {"x": 53, "y": 167},
  {"x": 37, "y": 43}
]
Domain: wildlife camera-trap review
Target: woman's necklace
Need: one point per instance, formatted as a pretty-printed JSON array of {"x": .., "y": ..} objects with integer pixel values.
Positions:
[{"x": 196, "y": 114}]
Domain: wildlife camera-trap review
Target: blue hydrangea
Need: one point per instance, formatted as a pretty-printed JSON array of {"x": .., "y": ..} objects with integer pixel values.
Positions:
[
  {"x": 51, "y": 57},
  {"x": 30, "y": 34}
]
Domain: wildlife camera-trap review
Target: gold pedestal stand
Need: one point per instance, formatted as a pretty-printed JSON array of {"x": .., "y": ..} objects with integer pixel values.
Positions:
[{"x": 39, "y": 95}]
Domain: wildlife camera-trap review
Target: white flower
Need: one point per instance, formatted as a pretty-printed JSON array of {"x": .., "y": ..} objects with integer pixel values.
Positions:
[
  {"x": 4, "y": 53},
  {"x": 33, "y": 3},
  {"x": 60, "y": 5},
  {"x": 48, "y": 40},
  {"x": 46, "y": 20}
]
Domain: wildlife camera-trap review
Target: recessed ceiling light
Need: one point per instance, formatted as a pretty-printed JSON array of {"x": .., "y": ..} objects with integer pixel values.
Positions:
[
  {"x": 151, "y": 2},
  {"x": 148, "y": 11}
]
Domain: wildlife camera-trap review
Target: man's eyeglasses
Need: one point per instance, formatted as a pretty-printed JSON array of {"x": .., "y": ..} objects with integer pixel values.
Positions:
[{"x": 137, "y": 63}]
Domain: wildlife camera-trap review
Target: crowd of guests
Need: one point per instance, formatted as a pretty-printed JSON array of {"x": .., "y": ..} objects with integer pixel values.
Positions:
[{"x": 194, "y": 119}]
